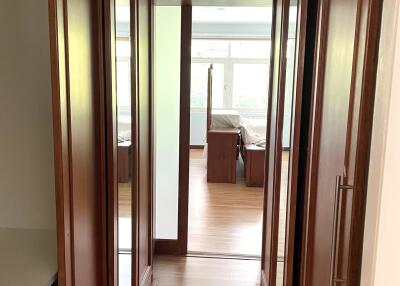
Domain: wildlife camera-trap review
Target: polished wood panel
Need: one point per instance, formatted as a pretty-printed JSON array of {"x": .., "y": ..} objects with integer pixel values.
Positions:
[
  {"x": 222, "y": 154},
  {"x": 142, "y": 241},
  {"x": 78, "y": 121},
  {"x": 60, "y": 135},
  {"x": 342, "y": 115},
  {"x": 85, "y": 145},
  {"x": 184, "y": 125},
  {"x": 111, "y": 138}
]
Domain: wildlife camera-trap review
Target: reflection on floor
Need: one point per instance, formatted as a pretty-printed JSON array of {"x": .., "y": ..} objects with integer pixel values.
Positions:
[
  {"x": 124, "y": 270},
  {"x": 124, "y": 216},
  {"x": 227, "y": 218},
  {"x": 195, "y": 271}
]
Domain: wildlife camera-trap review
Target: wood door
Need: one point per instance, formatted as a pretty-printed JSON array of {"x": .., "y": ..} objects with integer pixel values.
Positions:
[
  {"x": 77, "y": 91},
  {"x": 273, "y": 154},
  {"x": 344, "y": 84},
  {"x": 142, "y": 213}
]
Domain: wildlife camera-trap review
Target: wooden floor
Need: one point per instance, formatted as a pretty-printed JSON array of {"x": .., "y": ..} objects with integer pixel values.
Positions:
[
  {"x": 195, "y": 271},
  {"x": 226, "y": 218},
  {"x": 223, "y": 218}
]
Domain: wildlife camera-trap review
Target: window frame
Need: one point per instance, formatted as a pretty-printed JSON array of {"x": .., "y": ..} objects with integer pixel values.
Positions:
[{"x": 228, "y": 66}]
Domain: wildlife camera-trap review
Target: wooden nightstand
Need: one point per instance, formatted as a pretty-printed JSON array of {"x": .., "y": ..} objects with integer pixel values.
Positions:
[
  {"x": 254, "y": 159},
  {"x": 124, "y": 161},
  {"x": 222, "y": 154}
]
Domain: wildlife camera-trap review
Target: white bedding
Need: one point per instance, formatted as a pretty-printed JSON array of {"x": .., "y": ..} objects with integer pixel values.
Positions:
[
  {"x": 253, "y": 130},
  {"x": 124, "y": 127},
  {"x": 225, "y": 119}
]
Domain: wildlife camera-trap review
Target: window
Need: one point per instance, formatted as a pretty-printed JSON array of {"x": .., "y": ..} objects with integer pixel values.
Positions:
[
  {"x": 123, "y": 53},
  {"x": 240, "y": 74},
  {"x": 199, "y": 83},
  {"x": 250, "y": 49},
  {"x": 250, "y": 86},
  {"x": 210, "y": 49}
]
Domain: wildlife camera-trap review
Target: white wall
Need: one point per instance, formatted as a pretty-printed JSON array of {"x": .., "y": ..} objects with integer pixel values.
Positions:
[
  {"x": 27, "y": 198},
  {"x": 382, "y": 230},
  {"x": 166, "y": 115}
]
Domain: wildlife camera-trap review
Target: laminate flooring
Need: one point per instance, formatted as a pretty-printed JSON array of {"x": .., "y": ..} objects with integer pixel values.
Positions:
[
  {"x": 199, "y": 271},
  {"x": 223, "y": 218},
  {"x": 227, "y": 218}
]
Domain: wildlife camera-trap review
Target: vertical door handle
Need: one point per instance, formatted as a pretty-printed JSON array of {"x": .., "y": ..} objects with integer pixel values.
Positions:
[{"x": 336, "y": 222}]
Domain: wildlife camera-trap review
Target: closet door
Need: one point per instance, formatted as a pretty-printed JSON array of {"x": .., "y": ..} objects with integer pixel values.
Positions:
[
  {"x": 77, "y": 90},
  {"x": 142, "y": 202},
  {"x": 344, "y": 83},
  {"x": 276, "y": 102}
]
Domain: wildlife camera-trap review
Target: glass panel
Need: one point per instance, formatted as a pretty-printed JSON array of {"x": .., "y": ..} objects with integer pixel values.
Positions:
[
  {"x": 123, "y": 48},
  {"x": 250, "y": 86},
  {"x": 124, "y": 147},
  {"x": 124, "y": 86},
  {"x": 250, "y": 49},
  {"x": 210, "y": 49},
  {"x": 199, "y": 79},
  {"x": 166, "y": 119}
]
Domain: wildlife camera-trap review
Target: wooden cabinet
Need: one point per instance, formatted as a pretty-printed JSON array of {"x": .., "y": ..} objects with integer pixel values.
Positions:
[
  {"x": 124, "y": 161},
  {"x": 222, "y": 155}
]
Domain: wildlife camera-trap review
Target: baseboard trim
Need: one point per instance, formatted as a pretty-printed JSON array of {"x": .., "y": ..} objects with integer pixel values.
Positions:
[
  {"x": 196, "y": 146},
  {"x": 167, "y": 247}
]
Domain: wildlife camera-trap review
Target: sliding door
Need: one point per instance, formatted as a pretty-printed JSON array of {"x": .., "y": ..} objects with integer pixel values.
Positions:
[
  {"x": 142, "y": 200},
  {"x": 292, "y": 33},
  {"x": 75, "y": 38},
  {"x": 274, "y": 142},
  {"x": 344, "y": 82}
]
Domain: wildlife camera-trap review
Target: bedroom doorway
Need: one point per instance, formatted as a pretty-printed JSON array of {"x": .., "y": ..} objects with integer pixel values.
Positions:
[{"x": 230, "y": 67}]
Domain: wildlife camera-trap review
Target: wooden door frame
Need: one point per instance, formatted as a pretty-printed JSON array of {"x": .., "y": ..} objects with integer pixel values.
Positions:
[
  {"x": 363, "y": 83},
  {"x": 304, "y": 41},
  {"x": 109, "y": 58},
  {"x": 59, "y": 53}
]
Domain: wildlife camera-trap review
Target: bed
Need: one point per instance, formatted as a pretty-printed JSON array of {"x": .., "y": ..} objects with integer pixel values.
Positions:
[{"x": 251, "y": 135}]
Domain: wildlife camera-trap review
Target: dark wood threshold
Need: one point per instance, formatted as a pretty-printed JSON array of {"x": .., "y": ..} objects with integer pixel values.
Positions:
[
  {"x": 234, "y": 256},
  {"x": 167, "y": 247},
  {"x": 197, "y": 147}
]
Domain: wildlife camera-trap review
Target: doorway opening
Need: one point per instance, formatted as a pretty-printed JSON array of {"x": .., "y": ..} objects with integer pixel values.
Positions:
[
  {"x": 224, "y": 117},
  {"x": 228, "y": 109},
  {"x": 230, "y": 73},
  {"x": 125, "y": 141}
]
